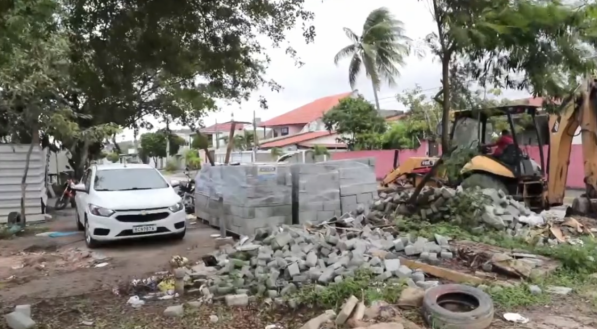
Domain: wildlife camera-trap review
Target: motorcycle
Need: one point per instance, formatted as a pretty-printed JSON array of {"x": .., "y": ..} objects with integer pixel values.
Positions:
[
  {"x": 68, "y": 195},
  {"x": 187, "y": 193}
]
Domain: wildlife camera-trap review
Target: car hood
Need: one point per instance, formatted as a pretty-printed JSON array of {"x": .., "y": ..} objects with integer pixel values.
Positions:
[{"x": 137, "y": 200}]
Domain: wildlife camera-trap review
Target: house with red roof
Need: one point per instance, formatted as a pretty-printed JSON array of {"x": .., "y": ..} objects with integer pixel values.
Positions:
[{"x": 302, "y": 127}]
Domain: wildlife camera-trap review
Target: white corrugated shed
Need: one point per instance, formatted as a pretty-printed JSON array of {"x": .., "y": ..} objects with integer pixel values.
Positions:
[{"x": 12, "y": 168}]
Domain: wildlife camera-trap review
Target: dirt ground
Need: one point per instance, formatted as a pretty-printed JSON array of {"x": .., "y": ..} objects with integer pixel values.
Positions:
[
  {"x": 59, "y": 278},
  {"x": 44, "y": 267}
]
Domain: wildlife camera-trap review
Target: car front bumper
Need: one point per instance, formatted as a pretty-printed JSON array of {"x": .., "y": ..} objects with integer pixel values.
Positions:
[{"x": 123, "y": 224}]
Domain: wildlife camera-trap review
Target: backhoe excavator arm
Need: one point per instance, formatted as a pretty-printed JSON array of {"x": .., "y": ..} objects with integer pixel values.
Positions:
[{"x": 577, "y": 112}]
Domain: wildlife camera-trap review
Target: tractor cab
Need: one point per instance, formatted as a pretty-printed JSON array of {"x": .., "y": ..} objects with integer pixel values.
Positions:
[{"x": 512, "y": 170}]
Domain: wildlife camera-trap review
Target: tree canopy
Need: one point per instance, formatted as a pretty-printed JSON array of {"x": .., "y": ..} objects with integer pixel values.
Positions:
[
  {"x": 533, "y": 45},
  {"x": 356, "y": 122}
]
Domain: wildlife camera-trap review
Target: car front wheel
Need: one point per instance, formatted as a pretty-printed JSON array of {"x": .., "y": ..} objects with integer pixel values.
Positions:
[{"x": 89, "y": 240}]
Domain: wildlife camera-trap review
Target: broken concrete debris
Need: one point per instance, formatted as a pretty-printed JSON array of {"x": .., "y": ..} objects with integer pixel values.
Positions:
[
  {"x": 20, "y": 318},
  {"x": 479, "y": 209},
  {"x": 275, "y": 263}
]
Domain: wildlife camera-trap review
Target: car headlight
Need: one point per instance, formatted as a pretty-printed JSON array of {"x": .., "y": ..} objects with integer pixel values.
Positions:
[
  {"x": 100, "y": 211},
  {"x": 177, "y": 207}
]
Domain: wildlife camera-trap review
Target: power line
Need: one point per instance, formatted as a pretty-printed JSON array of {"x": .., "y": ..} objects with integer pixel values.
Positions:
[{"x": 386, "y": 98}]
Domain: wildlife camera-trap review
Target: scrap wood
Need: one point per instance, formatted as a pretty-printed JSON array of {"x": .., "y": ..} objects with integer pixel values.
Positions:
[
  {"x": 557, "y": 233},
  {"x": 443, "y": 273}
]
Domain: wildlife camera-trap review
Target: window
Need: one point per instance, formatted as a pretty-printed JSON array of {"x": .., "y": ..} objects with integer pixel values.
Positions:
[
  {"x": 86, "y": 179},
  {"x": 284, "y": 131},
  {"x": 128, "y": 180}
]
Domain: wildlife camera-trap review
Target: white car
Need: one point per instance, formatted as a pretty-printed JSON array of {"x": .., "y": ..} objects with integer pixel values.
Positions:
[{"x": 124, "y": 201}]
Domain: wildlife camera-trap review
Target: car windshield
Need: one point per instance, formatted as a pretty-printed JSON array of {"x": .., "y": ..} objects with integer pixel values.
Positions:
[{"x": 128, "y": 180}]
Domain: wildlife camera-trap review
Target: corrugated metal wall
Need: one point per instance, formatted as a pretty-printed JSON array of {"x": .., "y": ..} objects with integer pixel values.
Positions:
[{"x": 12, "y": 166}]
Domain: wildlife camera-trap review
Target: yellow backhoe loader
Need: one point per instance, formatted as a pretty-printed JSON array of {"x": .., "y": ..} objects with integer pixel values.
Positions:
[{"x": 539, "y": 185}]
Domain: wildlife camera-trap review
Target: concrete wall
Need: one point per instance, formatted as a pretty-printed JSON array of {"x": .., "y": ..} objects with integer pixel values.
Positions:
[
  {"x": 385, "y": 160},
  {"x": 250, "y": 197}
]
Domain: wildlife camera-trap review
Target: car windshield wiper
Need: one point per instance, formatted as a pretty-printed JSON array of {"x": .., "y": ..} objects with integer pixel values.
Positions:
[{"x": 135, "y": 189}]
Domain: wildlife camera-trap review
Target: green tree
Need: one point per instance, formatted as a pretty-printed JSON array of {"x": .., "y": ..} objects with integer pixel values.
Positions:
[
  {"x": 319, "y": 150},
  {"x": 493, "y": 41},
  {"x": 357, "y": 123},
  {"x": 113, "y": 157},
  {"x": 380, "y": 50},
  {"x": 192, "y": 159},
  {"x": 245, "y": 141},
  {"x": 398, "y": 137},
  {"x": 154, "y": 145},
  {"x": 199, "y": 142}
]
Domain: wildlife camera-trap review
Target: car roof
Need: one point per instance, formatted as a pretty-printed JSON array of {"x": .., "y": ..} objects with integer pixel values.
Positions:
[{"x": 113, "y": 166}]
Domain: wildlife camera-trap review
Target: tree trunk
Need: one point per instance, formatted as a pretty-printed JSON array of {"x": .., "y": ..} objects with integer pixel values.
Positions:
[
  {"x": 34, "y": 141},
  {"x": 375, "y": 95},
  {"x": 446, "y": 105}
]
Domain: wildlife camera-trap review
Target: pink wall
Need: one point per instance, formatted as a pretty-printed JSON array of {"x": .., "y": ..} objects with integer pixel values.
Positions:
[{"x": 384, "y": 160}]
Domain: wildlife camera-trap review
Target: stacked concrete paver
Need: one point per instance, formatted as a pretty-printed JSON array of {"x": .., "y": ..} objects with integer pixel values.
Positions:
[
  {"x": 246, "y": 197},
  {"x": 256, "y": 196}
]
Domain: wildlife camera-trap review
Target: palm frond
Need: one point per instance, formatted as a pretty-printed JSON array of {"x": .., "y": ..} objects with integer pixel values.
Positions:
[
  {"x": 354, "y": 38},
  {"x": 344, "y": 52},
  {"x": 354, "y": 69}
]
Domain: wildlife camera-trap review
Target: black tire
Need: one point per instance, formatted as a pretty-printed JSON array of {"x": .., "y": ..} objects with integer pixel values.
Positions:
[
  {"x": 80, "y": 226},
  {"x": 479, "y": 317},
  {"x": 179, "y": 236},
  {"x": 60, "y": 203},
  {"x": 90, "y": 241},
  {"x": 484, "y": 181}
]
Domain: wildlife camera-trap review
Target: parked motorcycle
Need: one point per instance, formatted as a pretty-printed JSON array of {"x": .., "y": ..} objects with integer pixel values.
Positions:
[
  {"x": 187, "y": 193},
  {"x": 68, "y": 195}
]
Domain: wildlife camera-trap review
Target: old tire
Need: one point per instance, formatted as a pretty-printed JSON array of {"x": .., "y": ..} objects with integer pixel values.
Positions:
[
  {"x": 484, "y": 181},
  {"x": 438, "y": 300}
]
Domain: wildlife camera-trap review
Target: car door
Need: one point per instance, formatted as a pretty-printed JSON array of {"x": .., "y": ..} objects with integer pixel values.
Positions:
[{"x": 81, "y": 197}]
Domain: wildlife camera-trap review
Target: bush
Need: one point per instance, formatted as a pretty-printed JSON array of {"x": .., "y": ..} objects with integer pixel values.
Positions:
[
  {"x": 192, "y": 159},
  {"x": 171, "y": 165},
  {"x": 113, "y": 157}
]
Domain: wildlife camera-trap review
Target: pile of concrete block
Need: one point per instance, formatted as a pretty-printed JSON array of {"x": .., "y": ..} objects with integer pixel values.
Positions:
[
  {"x": 248, "y": 197},
  {"x": 480, "y": 208},
  {"x": 244, "y": 198},
  {"x": 276, "y": 262},
  {"x": 316, "y": 195}
]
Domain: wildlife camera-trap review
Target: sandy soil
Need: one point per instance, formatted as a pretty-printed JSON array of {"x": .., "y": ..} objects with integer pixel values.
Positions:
[{"x": 44, "y": 267}]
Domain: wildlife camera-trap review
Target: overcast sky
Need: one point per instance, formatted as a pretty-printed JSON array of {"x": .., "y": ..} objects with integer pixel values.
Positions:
[{"x": 319, "y": 77}]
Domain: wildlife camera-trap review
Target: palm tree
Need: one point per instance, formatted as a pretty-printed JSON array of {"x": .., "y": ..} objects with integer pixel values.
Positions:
[{"x": 380, "y": 49}]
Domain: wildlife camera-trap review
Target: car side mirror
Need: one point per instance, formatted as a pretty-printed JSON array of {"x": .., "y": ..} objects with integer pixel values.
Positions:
[
  {"x": 79, "y": 187},
  {"x": 175, "y": 183}
]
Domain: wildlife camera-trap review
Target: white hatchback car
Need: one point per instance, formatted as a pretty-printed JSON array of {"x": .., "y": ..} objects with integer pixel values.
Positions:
[{"x": 123, "y": 201}]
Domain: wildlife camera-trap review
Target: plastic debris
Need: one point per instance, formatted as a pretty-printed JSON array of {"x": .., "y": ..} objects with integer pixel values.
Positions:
[
  {"x": 101, "y": 265},
  {"x": 515, "y": 317},
  {"x": 135, "y": 302}
]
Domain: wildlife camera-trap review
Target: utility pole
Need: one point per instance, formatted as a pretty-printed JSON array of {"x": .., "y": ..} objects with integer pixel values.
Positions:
[
  {"x": 255, "y": 139},
  {"x": 167, "y": 138},
  {"x": 217, "y": 135}
]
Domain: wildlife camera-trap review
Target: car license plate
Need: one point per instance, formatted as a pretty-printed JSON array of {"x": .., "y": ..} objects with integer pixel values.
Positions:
[{"x": 145, "y": 229}]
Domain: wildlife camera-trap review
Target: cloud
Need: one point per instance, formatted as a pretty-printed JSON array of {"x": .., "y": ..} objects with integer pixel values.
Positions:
[{"x": 319, "y": 77}]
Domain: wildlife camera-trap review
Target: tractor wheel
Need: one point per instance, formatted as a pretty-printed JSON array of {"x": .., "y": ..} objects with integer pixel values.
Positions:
[{"x": 484, "y": 181}]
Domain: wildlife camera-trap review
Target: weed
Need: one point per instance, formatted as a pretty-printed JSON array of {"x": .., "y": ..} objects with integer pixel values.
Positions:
[
  {"x": 517, "y": 296},
  {"x": 362, "y": 285}
]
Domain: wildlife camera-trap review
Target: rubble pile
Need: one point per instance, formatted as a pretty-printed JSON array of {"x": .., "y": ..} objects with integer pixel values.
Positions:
[
  {"x": 477, "y": 208},
  {"x": 276, "y": 262}
]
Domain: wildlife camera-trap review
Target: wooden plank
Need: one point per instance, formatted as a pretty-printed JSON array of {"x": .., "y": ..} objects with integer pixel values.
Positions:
[{"x": 440, "y": 272}]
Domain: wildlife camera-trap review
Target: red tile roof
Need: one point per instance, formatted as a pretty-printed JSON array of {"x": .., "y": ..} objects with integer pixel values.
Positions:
[
  {"x": 306, "y": 113},
  {"x": 222, "y": 127},
  {"x": 326, "y": 145},
  {"x": 395, "y": 117},
  {"x": 295, "y": 139}
]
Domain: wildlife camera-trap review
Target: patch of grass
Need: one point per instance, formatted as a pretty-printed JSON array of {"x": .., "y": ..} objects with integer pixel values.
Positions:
[
  {"x": 362, "y": 285},
  {"x": 517, "y": 296}
]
